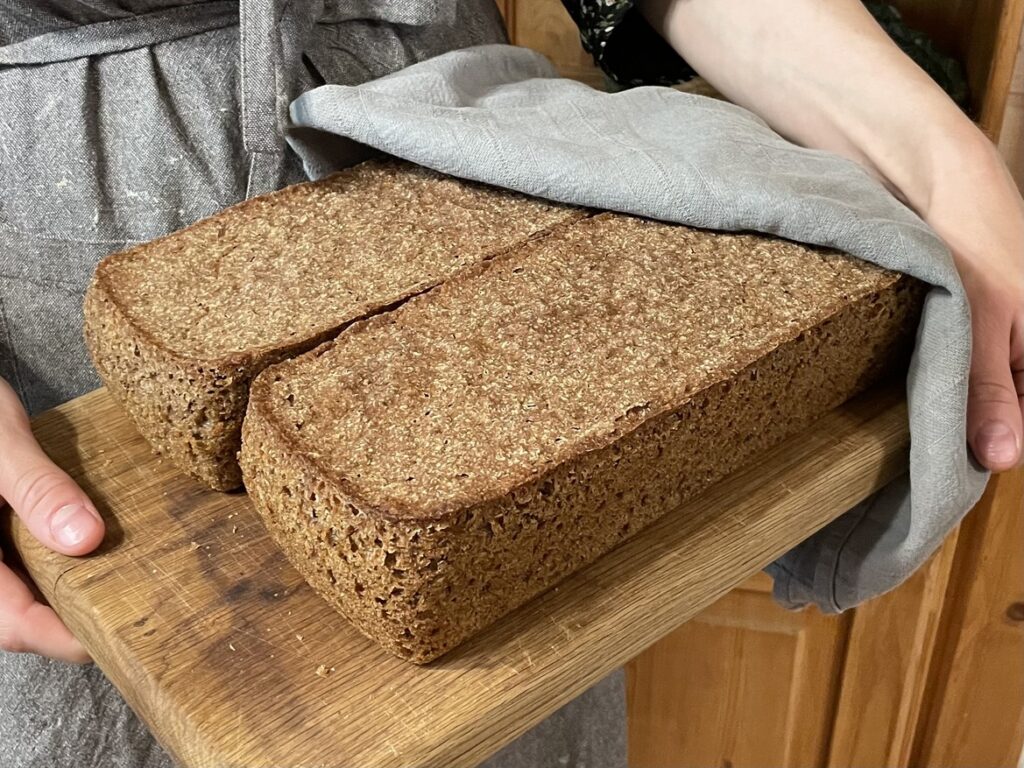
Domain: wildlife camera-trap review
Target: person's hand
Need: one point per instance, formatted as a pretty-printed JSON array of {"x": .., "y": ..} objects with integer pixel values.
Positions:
[
  {"x": 58, "y": 514},
  {"x": 980, "y": 215}
]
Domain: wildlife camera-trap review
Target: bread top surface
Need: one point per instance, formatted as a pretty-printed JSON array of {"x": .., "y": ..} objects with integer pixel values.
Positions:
[
  {"x": 282, "y": 268},
  {"x": 484, "y": 383}
]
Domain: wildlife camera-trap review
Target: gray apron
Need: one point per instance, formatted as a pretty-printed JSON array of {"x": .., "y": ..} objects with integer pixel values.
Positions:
[{"x": 122, "y": 121}]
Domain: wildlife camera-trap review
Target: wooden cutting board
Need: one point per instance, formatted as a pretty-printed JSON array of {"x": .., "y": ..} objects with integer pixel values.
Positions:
[{"x": 233, "y": 661}]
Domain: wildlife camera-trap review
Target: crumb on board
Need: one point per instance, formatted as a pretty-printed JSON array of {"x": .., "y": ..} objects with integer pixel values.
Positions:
[
  {"x": 323, "y": 670},
  {"x": 298, "y": 637},
  {"x": 234, "y": 529},
  {"x": 231, "y": 646},
  {"x": 192, "y": 547}
]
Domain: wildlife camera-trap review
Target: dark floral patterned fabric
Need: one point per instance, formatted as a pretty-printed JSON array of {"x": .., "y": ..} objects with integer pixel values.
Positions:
[
  {"x": 624, "y": 45},
  {"x": 631, "y": 53}
]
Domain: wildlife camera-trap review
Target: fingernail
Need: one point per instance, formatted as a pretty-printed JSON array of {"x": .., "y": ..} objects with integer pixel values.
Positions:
[
  {"x": 71, "y": 524},
  {"x": 997, "y": 443}
]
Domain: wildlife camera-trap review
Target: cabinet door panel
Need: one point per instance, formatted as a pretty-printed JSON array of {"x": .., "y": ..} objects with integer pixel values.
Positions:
[
  {"x": 743, "y": 684},
  {"x": 975, "y": 699},
  {"x": 888, "y": 657}
]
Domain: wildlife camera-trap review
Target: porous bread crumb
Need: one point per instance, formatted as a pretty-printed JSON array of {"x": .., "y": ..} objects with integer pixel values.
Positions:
[{"x": 436, "y": 466}]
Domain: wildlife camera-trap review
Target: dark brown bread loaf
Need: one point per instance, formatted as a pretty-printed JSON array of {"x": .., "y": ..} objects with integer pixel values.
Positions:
[
  {"x": 178, "y": 327},
  {"x": 434, "y": 467}
]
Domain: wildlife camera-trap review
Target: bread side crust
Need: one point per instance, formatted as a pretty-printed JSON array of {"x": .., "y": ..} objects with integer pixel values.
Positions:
[
  {"x": 188, "y": 410},
  {"x": 419, "y": 587}
]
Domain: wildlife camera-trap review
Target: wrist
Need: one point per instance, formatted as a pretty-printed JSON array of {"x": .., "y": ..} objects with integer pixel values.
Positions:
[
  {"x": 972, "y": 203},
  {"x": 932, "y": 168}
]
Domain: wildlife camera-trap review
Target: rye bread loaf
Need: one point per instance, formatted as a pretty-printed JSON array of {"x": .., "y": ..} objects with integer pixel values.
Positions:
[
  {"x": 434, "y": 467},
  {"x": 178, "y": 328}
]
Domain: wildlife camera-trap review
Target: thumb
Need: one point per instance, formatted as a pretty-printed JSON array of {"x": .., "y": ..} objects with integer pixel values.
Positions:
[
  {"x": 993, "y": 409},
  {"x": 54, "y": 509}
]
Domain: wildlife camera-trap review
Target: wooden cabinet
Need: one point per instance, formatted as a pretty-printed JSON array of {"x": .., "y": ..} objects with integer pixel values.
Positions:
[
  {"x": 746, "y": 683},
  {"x": 974, "y": 699},
  {"x": 880, "y": 694},
  {"x": 756, "y": 687},
  {"x": 931, "y": 674},
  {"x": 1011, "y": 138},
  {"x": 545, "y": 26}
]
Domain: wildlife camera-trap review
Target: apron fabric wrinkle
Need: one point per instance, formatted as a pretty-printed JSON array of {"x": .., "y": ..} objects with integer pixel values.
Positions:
[
  {"x": 408, "y": 12},
  {"x": 117, "y": 35},
  {"x": 272, "y": 37},
  {"x": 260, "y": 58}
]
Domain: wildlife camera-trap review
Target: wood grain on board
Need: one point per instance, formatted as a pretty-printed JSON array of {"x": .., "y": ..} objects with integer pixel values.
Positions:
[{"x": 195, "y": 615}]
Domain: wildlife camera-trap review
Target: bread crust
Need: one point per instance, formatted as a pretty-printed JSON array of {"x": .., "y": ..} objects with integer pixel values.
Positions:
[
  {"x": 187, "y": 392},
  {"x": 419, "y": 574}
]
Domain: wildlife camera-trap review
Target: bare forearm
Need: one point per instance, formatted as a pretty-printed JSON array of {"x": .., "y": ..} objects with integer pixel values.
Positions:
[{"x": 825, "y": 75}]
